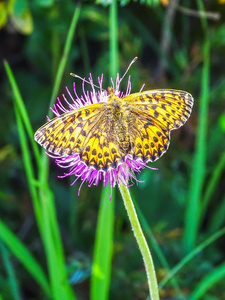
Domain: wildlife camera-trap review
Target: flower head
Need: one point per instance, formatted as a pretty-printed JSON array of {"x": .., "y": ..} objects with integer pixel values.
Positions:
[{"x": 120, "y": 172}]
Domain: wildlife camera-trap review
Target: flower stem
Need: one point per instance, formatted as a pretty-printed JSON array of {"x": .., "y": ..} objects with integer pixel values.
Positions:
[{"x": 150, "y": 270}]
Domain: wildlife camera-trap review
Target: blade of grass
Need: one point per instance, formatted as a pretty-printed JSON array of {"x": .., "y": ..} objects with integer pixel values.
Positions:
[
  {"x": 25, "y": 257},
  {"x": 101, "y": 268},
  {"x": 207, "y": 282},
  {"x": 28, "y": 165},
  {"x": 55, "y": 258},
  {"x": 52, "y": 259},
  {"x": 14, "y": 288},
  {"x": 188, "y": 257},
  {"x": 65, "y": 55},
  {"x": 23, "y": 118},
  {"x": 47, "y": 200},
  {"x": 23, "y": 112},
  {"x": 198, "y": 171}
]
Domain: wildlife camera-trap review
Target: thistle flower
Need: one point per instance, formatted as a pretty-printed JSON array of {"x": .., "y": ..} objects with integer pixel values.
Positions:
[{"x": 111, "y": 135}]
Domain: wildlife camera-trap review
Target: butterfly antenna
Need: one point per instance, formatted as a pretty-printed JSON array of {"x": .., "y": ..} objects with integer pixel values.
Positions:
[
  {"x": 77, "y": 76},
  {"x": 133, "y": 61}
]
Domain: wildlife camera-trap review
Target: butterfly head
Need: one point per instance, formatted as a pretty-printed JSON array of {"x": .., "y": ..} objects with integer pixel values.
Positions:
[
  {"x": 110, "y": 91},
  {"x": 113, "y": 96}
]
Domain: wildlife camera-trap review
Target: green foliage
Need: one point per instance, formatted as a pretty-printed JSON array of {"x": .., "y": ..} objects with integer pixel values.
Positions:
[
  {"x": 25, "y": 257},
  {"x": 10, "y": 272},
  {"x": 125, "y": 2},
  {"x": 209, "y": 281},
  {"x": 18, "y": 14},
  {"x": 49, "y": 240}
]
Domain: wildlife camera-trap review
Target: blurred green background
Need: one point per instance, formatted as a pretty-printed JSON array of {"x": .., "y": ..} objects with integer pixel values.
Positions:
[{"x": 47, "y": 233}]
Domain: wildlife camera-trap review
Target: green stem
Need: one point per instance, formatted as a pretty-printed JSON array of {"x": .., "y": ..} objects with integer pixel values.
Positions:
[{"x": 149, "y": 266}]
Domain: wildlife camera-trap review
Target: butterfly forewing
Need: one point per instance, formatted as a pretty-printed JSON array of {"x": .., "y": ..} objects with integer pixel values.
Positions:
[
  {"x": 66, "y": 134},
  {"x": 172, "y": 106}
]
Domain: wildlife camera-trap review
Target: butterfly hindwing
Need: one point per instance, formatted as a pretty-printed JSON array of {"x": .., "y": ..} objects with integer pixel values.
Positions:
[
  {"x": 100, "y": 150},
  {"x": 148, "y": 140}
]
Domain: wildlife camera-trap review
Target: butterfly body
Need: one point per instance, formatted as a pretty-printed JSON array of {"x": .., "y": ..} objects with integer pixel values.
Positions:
[
  {"x": 119, "y": 118},
  {"x": 104, "y": 134}
]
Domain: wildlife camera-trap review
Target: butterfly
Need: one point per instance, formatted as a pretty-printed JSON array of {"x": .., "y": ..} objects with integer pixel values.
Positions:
[{"x": 105, "y": 134}]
